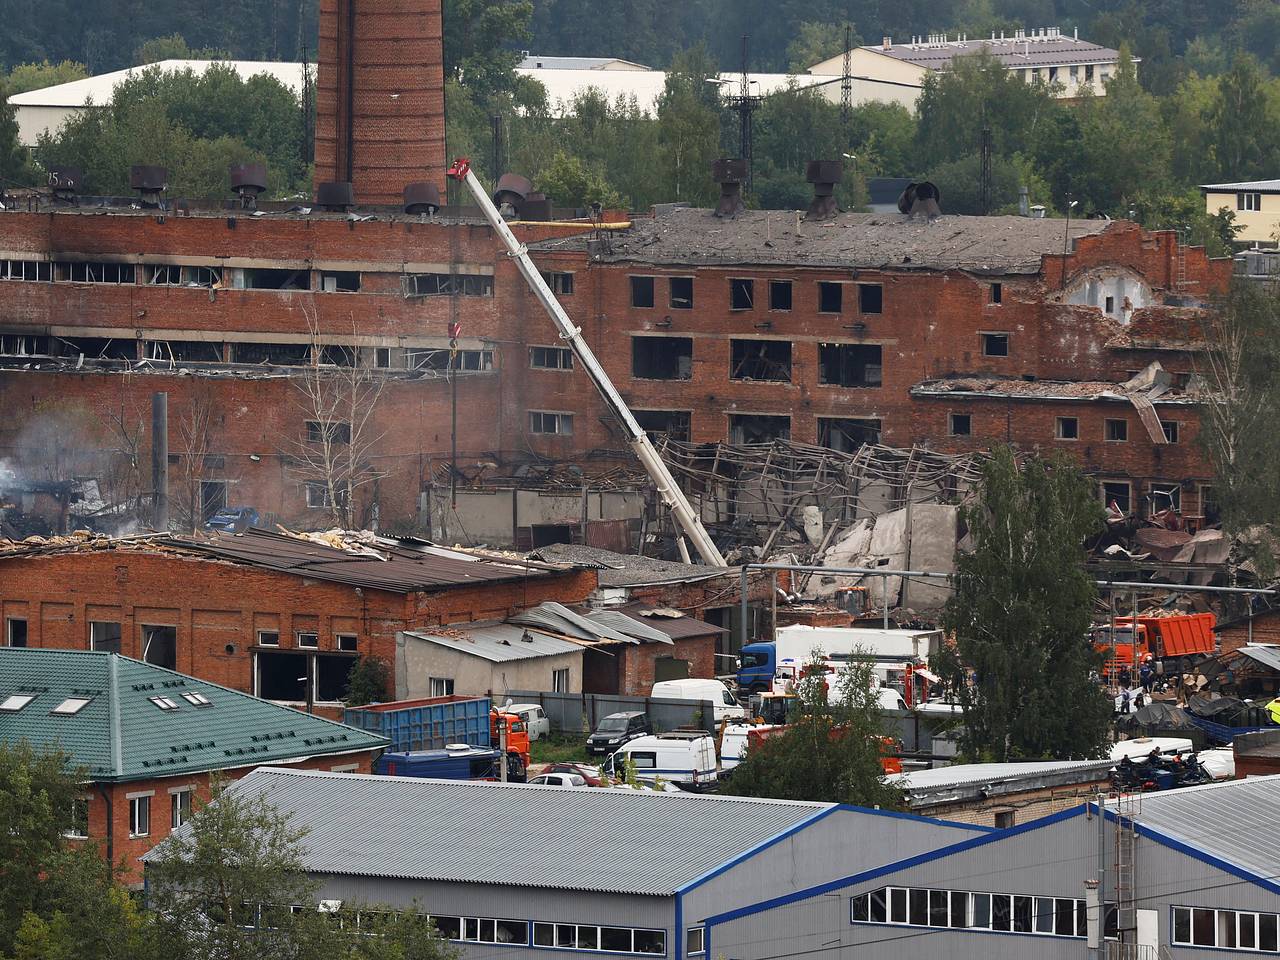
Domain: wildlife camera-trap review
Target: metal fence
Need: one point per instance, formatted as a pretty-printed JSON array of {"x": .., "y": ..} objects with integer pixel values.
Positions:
[{"x": 581, "y": 712}]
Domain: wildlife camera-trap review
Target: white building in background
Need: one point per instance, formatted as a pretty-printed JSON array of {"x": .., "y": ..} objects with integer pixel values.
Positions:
[
  {"x": 46, "y": 110},
  {"x": 530, "y": 62},
  {"x": 1075, "y": 65}
]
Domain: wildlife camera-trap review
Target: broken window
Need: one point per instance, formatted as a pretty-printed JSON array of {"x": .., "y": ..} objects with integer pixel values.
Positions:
[
  {"x": 164, "y": 274},
  {"x": 995, "y": 344},
  {"x": 830, "y": 297},
  {"x": 318, "y": 495},
  {"x": 779, "y": 294},
  {"x": 673, "y": 423},
  {"x": 642, "y": 291},
  {"x": 338, "y": 431},
  {"x": 959, "y": 425},
  {"x": 182, "y": 351},
  {"x": 23, "y": 345},
  {"x": 339, "y": 355},
  {"x": 1165, "y": 496},
  {"x": 449, "y": 284},
  {"x": 1067, "y": 428},
  {"x": 1118, "y": 493},
  {"x": 560, "y": 283},
  {"x": 278, "y": 354},
  {"x": 339, "y": 281},
  {"x": 996, "y": 292},
  {"x": 741, "y": 294},
  {"x": 1170, "y": 428},
  {"x": 550, "y": 423},
  {"x": 263, "y": 278},
  {"x": 760, "y": 360},
  {"x": 849, "y": 364},
  {"x": 758, "y": 428},
  {"x": 202, "y": 276},
  {"x": 99, "y": 348},
  {"x": 83, "y": 272},
  {"x": 438, "y": 359},
  {"x": 332, "y": 673},
  {"x": 681, "y": 289},
  {"x": 551, "y": 358},
  {"x": 1209, "y": 509},
  {"x": 280, "y": 676},
  {"x": 662, "y": 358},
  {"x": 870, "y": 298},
  {"x": 847, "y": 435},
  {"x": 26, "y": 270},
  {"x": 160, "y": 646},
  {"x": 1116, "y": 430},
  {"x": 104, "y": 635},
  {"x": 382, "y": 357}
]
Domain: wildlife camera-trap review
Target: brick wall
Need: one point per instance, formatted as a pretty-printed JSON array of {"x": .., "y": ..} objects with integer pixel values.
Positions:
[{"x": 638, "y": 662}]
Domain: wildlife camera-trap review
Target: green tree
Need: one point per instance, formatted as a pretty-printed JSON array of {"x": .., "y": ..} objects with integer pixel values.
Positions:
[
  {"x": 1020, "y": 615},
  {"x": 1243, "y": 142},
  {"x": 368, "y": 682},
  {"x": 174, "y": 47},
  {"x": 814, "y": 42},
  {"x": 14, "y": 166},
  {"x": 37, "y": 76},
  {"x": 481, "y": 38},
  {"x": 689, "y": 127},
  {"x": 571, "y": 183},
  {"x": 831, "y": 749}
]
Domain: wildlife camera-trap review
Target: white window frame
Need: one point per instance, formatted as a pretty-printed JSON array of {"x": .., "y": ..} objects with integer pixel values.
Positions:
[
  {"x": 118, "y": 624},
  {"x": 299, "y": 634},
  {"x": 264, "y": 643},
  {"x": 560, "y": 680},
  {"x": 564, "y": 358},
  {"x": 538, "y": 422},
  {"x": 440, "y": 683},
  {"x": 70, "y": 833},
  {"x": 136, "y": 807},
  {"x": 1060, "y": 422},
  {"x": 340, "y": 638},
  {"x": 8, "y": 630},
  {"x": 698, "y": 936},
  {"x": 176, "y": 795}
]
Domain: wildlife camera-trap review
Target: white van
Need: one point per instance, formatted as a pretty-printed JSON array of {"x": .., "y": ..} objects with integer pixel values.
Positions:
[
  {"x": 725, "y": 706},
  {"x": 686, "y": 759}
]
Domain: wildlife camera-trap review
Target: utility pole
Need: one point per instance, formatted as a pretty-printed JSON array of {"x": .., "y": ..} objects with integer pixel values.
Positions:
[
  {"x": 502, "y": 747},
  {"x": 745, "y": 104},
  {"x": 846, "y": 79}
]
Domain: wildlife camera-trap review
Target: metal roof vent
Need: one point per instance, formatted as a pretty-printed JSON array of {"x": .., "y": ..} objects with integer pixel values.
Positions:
[
  {"x": 150, "y": 182},
  {"x": 421, "y": 197},
  {"x": 922, "y": 198},
  {"x": 729, "y": 173},
  {"x": 335, "y": 196},
  {"x": 247, "y": 181},
  {"x": 824, "y": 175},
  {"x": 510, "y": 194},
  {"x": 64, "y": 183}
]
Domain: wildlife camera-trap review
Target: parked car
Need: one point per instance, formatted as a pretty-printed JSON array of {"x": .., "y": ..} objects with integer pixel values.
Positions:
[
  {"x": 559, "y": 780},
  {"x": 617, "y": 729},
  {"x": 233, "y": 520},
  {"x": 688, "y": 760},
  {"x": 590, "y": 774},
  {"x": 725, "y": 705},
  {"x": 535, "y": 718}
]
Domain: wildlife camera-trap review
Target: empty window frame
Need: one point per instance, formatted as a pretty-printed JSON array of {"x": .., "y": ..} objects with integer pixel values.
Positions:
[
  {"x": 830, "y": 296},
  {"x": 140, "y": 816},
  {"x": 160, "y": 646},
  {"x": 1170, "y": 428},
  {"x": 15, "y": 631},
  {"x": 680, "y": 293},
  {"x": 779, "y": 294},
  {"x": 695, "y": 941},
  {"x": 1118, "y": 494},
  {"x": 995, "y": 293},
  {"x": 104, "y": 635},
  {"x": 760, "y": 360},
  {"x": 23, "y": 345},
  {"x": 847, "y": 434},
  {"x": 274, "y": 354},
  {"x": 662, "y": 358},
  {"x": 97, "y": 348},
  {"x": 332, "y": 673},
  {"x": 267, "y": 278},
  {"x": 179, "y": 807},
  {"x": 544, "y": 422},
  {"x": 164, "y": 274},
  {"x": 1066, "y": 428},
  {"x": 959, "y": 425},
  {"x": 78, "y": 820},
  {"x": 89, "y": 272},
  {"x": 280, "y": 675},
  {"x": 1164, "y": 495},
  {"x": 338, "y": 432},
  {"x": 995, "y": 344},
  {"x": 439, "y": 358},
  {"x": 642, "y": 291},
  {"x": 550, "y": 358},
  {"x": 1249, "y": 201},
  {"x": 318, "y": 496},
  {"x": 171, "y": 275},
  {"x": 560, "y": 283},
  {"x": 449, "y": 285},
  {"x": 307, "y": 638},
  {"x": 1115, "y": 431},
  {"x": 26, "y": 270},
  {"x": 560, "y": 680},
  {"x": 742, "y": 294},
  {"x": 850, "y": 364},
  {"x": 339, "y": 281},
  {"x": 674, "y": 423},
  {"x": 758, "y": 428},
  {"x": 338, "y": 355},
  {"x": 382, "y": 357},
  {"x": 182, "y": 351},
  {"x": 347, "y": 642},
  {"x": 870, "y": 298}
]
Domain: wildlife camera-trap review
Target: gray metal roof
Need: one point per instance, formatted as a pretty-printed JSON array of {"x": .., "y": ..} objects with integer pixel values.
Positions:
[
  {"x": 631, "y": 626},
  {"x": 1056, "y": 51},
  {"x": 967, "y": 780},
  {"x": 564, "y": 838},
  {"x": 1235, "y": 820},
  {"x": 1266, "y": 654},
  {"x": 557, "y": 618},
  {"x": 497, "y": 642},
  {"x": 1257, "y": 186},
  {"x": 535, "y": 62}
]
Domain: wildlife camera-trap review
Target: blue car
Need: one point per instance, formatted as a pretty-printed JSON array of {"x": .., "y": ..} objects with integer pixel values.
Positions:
[{"x": 233, "y": 519}]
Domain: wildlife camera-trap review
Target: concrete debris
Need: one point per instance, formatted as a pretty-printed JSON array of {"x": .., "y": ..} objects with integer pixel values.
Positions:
[{"x": 811, "y": 519}]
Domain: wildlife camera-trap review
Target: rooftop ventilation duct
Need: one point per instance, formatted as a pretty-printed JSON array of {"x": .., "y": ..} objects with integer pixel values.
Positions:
[
  {"x": 247, "y": 181},
  {"x": 536, "y": 206},
  {"x": 921, "y": 199},
  {"x": 64, "y": 183},
  {"x": 824, "y": 175},
  {"x": 510, "y": 194},
  {"x": 335, "y": 196},
  {"x": 729, "y": 173},
  {"x": 150, "y": 182},
  {"x": 421, "y": 197}
]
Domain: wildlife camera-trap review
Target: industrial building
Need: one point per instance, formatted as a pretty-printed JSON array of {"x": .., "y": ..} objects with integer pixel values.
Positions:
[{"x": 1256, "y": 205}]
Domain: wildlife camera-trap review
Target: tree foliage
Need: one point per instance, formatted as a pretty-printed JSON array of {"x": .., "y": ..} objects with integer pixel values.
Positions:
[
  {"x": 481, "y": 39},
  {"x": 37, "y": 76},
  {"x": 368, "y": 682},
  {"x": 1020, "y": 615},
  {"x": 832, "y": 748}
]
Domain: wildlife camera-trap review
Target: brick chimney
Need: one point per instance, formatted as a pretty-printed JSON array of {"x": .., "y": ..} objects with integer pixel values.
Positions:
[{"x": 380, "y": 97}]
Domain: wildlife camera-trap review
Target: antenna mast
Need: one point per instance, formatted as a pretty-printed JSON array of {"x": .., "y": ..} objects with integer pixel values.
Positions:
[
  {"x": 745, "y": 104},
  {"x": 846, "y": 78}
]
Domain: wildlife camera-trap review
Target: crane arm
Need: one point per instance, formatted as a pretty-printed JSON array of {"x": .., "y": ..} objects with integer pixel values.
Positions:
[{"x": 637, "y": 439}]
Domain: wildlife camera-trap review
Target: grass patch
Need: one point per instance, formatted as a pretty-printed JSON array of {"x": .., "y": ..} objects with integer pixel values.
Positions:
[{"x": 559, "y": 748}]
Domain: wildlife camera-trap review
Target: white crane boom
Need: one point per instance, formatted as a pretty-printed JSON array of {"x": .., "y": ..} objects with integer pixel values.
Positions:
[{"x": 637, "y": 439}]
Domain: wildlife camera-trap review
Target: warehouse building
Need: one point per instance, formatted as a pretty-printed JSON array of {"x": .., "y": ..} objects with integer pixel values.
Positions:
[{"x": 573, "y": 870}]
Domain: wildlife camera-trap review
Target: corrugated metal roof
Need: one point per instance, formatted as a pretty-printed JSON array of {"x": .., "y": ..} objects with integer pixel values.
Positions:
[
  {"x": 1023, "y": 776},
  {"x": 1058, "y": 51},
  {"x": 1259, "y": 186},
  {"x": 585, "y": 838},
  {"x": 631, "y": 626},
  {"x": 101, "y": 89},
  {"x": 675, "y": 627},
  {"x": 1265, "y": 654},
  {"x": 1235, "y": 820},
  {"x": 558, "y": 618},
  {"x": 122, "y": 735},
  {"x": 497, "y": 642}
]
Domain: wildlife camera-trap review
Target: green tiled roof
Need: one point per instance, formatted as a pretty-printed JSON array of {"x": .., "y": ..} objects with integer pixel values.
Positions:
[{"x": 121, "y": 733}]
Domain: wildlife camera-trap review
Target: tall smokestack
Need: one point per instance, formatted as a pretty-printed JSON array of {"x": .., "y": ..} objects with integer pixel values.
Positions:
[{"x": 160, "y": 461}]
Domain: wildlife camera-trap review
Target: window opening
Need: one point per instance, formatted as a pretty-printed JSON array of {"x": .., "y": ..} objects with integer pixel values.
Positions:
[{"x": 760, "y": 360}]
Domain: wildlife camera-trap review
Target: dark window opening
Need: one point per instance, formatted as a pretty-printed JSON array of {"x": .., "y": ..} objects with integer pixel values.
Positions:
[
  {"x": 339, "y": 281},
  {"x": 449, "y": 284},
  {"x": 260, "y": 278},
  {"x": 551, "y": 423},
  {"x": 642, "y": 291},
  {"x": 1165, "y": 496},
  {"x": 339, "y": 355},
  {"x": 849, "y": 364},
  {"x": 1170, "y": 428},
  {"x": 1067, "y": 428},
  {"x": 995, "y": 344},
  {"x": 681, "y": 289},
  {"x": 279, "y": 354},
  {"x": 674, "y": 423},
  {"x": 830, "y": 297},
  {"x": 160, "y": 646},
  {"x": 560, "y": 283},
  {"x": 997, "y": 293},
  {"x": 960, "y": 425},
  {"x": 1119, "y": 494},
  {"x": 870, "y": 298},
  {"x": 337, "y": 432},
  {"x": 23, "y": 345},
  {"x": 104, "y": 635},
  {"x": 182, "y": 351},
  {"x": 99, "y": 348},
  {"x": 347, "y": 642},
  {"x": 741, "y": 294},
  {"x": 213, "y": 496},
  {"x": 662, "y": 358},
  {"x": 758, "y": 428},
  {"x": 1110, "y": 304},
  {"x": 332, "y": 674},
  {"x": 1116, "y": 429},
  {"x": 382, "y": 357},
  {"x": 847, "y": 435},
  {"x": 779, "y": 294},
  {"x": 440, "y": 359},
  {"x": 282, "y": 676},
  {"x": 16, "y": 632},
  {"x": 761, "y": 360},
  {"x": 551, "y": 358}
]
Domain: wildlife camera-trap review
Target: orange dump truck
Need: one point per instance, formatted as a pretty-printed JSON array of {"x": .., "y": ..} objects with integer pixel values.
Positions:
[{"x": 1182, "y": 635}]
